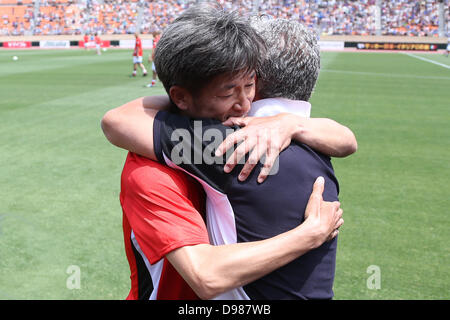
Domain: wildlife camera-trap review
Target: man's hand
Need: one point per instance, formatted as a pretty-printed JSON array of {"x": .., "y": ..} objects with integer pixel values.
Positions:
[
  {"x": 265, "y": 136},
  {"x": 268, "y": 136},
  {"x": 322, "y": 217}
]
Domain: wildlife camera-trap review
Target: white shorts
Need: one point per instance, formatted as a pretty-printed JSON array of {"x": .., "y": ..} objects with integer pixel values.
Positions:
[
  {"x": 137, "y": 59},
  {"x": 153, "y": 66}
]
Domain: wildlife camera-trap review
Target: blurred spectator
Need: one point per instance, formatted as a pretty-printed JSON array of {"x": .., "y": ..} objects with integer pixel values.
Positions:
[
  {"x": 411, "y": 18},
  {"x": 331, "y": 17}
]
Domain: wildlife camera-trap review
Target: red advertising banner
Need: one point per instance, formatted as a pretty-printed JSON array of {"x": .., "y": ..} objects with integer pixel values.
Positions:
[
  {"x": 91, "y": 44},
  {"x": 17, "y": 44}
]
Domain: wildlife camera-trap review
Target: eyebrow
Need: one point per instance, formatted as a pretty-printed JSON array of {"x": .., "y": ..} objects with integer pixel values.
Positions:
[
  {"x": 231, "y": 86},
  {"x": 252, "y": 75}
]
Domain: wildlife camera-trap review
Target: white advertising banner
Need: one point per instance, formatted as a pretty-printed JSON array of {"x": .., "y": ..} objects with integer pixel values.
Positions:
[
  {"x": 54, "y": 44},
  {"x": 331, "y": 45},
  {"x": 129, "y": 44}
]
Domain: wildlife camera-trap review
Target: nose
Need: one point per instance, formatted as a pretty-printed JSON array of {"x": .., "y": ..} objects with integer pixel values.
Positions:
[{"x": 242, "y": 106}]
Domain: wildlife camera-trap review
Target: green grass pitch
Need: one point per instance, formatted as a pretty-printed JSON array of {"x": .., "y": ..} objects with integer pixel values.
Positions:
[{"x": 60, "y": 178}]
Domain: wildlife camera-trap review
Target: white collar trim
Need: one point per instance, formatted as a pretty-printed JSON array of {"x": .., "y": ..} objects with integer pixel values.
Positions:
[{"x": 274, "y": 106}]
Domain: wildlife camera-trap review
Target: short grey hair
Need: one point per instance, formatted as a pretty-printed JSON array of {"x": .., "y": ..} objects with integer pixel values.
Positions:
[
  {"x": 204, "y": 42},
  {"x": 290, "y": 67}
]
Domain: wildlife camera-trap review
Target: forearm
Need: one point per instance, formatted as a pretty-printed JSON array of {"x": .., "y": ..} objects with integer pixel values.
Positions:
[
  {"x": 325, "y": 135},
  {"x": 130, "y": 127},
  {"x": 216, "y": 269},
  {"x": 161, "y": 102}
]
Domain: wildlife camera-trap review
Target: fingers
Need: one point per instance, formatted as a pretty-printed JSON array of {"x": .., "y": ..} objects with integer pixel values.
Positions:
[
  {"x": 240, "y": 152},
  {"x": 339, "y": 214},
  {"x": 257, "y": 145},
  {"x": 229, "y": 142},
  {"x": 234, "y": 121},
  {"x": 257, "y": 149},
  {"x": 269, "y": 162},
  {"x": 257, "y": 139},
  {"x": 253, "y": 159},
  {"x": 235, "y": 137},
  {"x": 338, "y": 224},
  {"x": 317, "y": 192},
  {"x": 315, "y": 199},
  {"x": 318, "y": 187},
  {"x": 333, "y": 235}
]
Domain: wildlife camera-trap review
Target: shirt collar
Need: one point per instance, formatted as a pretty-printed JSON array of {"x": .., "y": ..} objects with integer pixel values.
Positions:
[{"x": 274, "y": 106}]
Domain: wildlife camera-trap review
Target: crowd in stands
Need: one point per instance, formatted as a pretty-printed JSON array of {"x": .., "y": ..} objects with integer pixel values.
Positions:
[
  {"x": 332, "y": 17},
  {"x": 414, "y": 18}
]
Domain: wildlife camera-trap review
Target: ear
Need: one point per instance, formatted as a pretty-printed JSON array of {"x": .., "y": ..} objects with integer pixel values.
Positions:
[{"x": 181, "y": 97}]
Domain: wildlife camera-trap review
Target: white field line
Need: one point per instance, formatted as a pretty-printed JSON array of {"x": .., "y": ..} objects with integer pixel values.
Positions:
[
  {"x": 393, "y": 75},
  {"x": 427, "y": 60}
]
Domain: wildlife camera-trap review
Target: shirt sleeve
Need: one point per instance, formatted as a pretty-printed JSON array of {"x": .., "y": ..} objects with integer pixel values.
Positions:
[
  {"x": 189, "y": 144},
  {"x": 163, "y": 217}
]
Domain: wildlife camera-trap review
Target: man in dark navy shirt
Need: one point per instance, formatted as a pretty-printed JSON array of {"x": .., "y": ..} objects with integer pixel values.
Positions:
[
  {"x": 242, "y": 211},
  {"x": 261, "y": 211}
]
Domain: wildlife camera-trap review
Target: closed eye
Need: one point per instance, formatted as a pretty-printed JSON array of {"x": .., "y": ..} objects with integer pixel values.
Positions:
[{"x": 227, "y": 96}]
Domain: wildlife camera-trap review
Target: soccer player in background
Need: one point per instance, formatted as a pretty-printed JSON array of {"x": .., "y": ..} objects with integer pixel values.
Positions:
[
  {"x": 137, "y": 56},
  {"x": 151, "y": 59},
  {"x": 98, "y": 44},
  {"x": 86, "y": 40}
]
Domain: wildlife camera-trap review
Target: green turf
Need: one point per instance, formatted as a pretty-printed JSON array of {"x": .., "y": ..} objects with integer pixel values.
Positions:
[
  {"x": 394, "y": 189},
  {"x": 59, "y": 178}
]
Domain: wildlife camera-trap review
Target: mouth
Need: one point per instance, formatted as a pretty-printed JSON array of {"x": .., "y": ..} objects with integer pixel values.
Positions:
[{"x": 235, "y": 116}]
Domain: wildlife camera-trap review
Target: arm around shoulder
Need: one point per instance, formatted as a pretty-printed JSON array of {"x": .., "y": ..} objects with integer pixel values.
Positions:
[
  {"x": 130, "y": 127},
  {"x": 326, "y": 136},
  {"x": 212, "y": 270}
]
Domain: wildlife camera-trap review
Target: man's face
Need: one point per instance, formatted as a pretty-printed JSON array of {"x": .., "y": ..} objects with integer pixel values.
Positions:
[{"x": 224, "y": 97}]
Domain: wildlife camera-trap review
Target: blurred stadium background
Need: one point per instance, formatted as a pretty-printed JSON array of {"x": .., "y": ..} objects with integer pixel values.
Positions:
[
  {"x": 384, "y": 74},
  {"x": 331, "y": 17}
]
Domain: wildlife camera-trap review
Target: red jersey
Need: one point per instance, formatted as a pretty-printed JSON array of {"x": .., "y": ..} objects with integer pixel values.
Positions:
[
  {"x": 155, "y": 41},
  {"x": 162, "y": 211},
  {"x": 86, "y": 38},
  {"x": 98, "y": 40},
  {"x": 138, "y": 48}
]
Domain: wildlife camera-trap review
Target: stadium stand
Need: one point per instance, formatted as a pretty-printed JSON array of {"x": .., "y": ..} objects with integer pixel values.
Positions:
[
  {"x": 329, "y": 17},
  {"x": 412, "y": 18}
]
